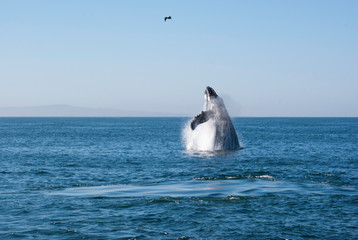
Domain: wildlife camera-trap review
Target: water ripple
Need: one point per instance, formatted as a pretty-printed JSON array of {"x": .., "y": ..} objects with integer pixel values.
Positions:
[{"x": 209, "y": 188}]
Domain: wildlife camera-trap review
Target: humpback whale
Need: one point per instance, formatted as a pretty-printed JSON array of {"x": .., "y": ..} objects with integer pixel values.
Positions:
[{"x": 212, "y": 129}]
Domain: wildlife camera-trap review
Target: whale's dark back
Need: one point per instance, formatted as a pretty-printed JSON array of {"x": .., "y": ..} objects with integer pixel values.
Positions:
[{"x": 226, "y": 137}]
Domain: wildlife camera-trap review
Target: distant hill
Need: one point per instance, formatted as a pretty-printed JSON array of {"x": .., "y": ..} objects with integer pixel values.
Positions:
[{"x": 62, "y": 110}]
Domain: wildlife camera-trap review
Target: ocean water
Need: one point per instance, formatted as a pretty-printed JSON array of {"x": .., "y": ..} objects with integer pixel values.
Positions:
[{"x": 131, "y": 178}]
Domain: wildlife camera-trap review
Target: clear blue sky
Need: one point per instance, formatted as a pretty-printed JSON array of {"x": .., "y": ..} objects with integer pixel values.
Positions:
[{"x": 265, "y": 58}]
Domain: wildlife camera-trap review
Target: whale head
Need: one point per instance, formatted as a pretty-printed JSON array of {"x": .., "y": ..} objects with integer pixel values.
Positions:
[
  {"x": 213, "y": 101},
  {"x": 210, "y": 92}
]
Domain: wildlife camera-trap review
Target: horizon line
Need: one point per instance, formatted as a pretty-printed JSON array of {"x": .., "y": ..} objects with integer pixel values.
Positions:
[
  {"x": 174, "y": 117},
  {"x": 73, "y": 111}
]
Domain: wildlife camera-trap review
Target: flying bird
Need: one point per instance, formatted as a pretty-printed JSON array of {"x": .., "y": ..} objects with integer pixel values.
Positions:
[{"x": 165, "y": 19}]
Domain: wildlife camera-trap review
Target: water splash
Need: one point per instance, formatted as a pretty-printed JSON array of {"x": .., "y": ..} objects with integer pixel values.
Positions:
[{"x": 202, "y": 139}]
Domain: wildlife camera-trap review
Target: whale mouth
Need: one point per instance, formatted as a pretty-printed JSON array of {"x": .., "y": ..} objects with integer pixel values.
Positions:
[{"x": 210, "y": 92}]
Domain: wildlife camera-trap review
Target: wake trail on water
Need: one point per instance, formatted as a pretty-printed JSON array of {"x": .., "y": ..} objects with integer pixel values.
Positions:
[{"x": 259, "y": 186}]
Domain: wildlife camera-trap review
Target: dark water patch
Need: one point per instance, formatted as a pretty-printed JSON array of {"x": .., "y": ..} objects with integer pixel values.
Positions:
[{"x": 42, "y": 172}]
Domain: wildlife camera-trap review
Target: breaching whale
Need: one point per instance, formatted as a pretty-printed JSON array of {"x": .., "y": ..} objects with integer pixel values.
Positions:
[{"x": 212, "y": 129}]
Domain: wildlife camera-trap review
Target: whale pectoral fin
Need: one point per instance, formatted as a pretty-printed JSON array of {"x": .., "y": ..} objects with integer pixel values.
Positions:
[{"x": 201, "y": 118}]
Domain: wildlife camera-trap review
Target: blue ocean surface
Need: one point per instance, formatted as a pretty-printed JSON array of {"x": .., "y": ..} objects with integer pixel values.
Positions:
[{"x": 131, "y": 178}]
